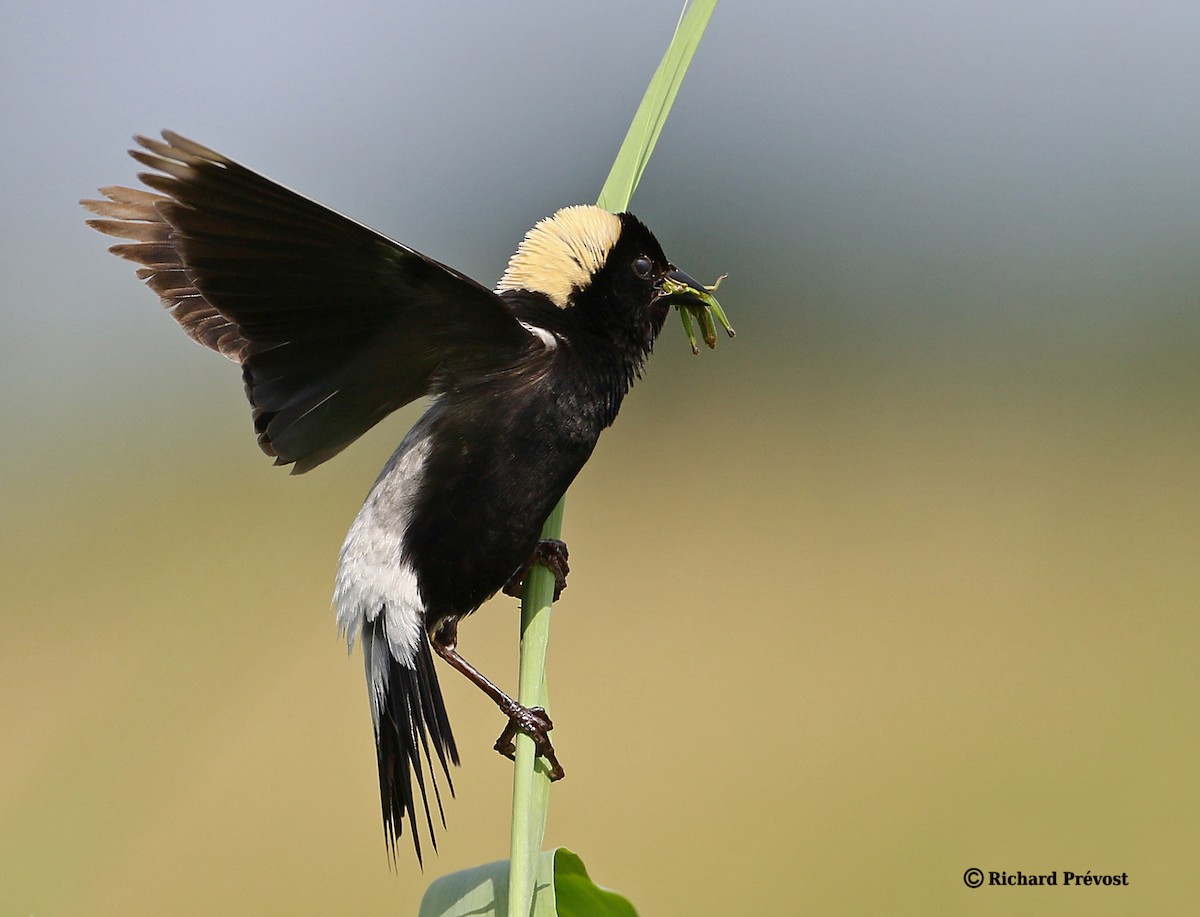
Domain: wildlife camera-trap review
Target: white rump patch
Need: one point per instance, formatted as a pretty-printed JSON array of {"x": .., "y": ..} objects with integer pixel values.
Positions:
[
  {"x": 562, "y": 252},
  {"x": 374, "y": 574}
]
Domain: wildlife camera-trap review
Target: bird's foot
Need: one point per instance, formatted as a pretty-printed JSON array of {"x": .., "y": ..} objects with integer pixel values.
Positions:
[
  {"x": 534, "y": 722},
  {"x": 551, "y": 554}
]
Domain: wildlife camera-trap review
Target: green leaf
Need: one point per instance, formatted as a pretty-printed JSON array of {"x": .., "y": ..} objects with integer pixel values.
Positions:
[
  {"x": 656, "y": 104},
  {"x": 562, "y": 889},
  {"x": 483, "y": 891},
  {"x": 577, "y": 896}
]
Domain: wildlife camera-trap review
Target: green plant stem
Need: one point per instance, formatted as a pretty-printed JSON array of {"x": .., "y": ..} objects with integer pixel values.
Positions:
[{"x": 531, "y": 781}]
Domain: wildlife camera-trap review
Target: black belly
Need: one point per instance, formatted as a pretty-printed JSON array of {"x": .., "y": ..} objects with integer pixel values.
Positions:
[{"x": 493, "y": 475}]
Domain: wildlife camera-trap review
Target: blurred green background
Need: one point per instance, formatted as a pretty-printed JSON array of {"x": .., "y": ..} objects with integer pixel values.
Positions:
[{"x": 900, "y": 582}]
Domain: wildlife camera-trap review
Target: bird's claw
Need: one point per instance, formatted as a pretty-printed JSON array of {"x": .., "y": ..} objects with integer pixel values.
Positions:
[
  {"x": 535, "y": 723},
  {"x": 551, "y": 554}
]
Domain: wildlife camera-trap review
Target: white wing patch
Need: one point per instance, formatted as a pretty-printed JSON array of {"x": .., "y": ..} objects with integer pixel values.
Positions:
[{"x": 562, "y": 253}]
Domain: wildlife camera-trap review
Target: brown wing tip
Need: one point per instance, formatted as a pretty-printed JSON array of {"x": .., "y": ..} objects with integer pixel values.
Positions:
[
  {"x": 117, "y": 228},
  {"x": 191, "y": 147},
  {"x": 175, "y": 147},
  {"x": 119, "y": 194}
]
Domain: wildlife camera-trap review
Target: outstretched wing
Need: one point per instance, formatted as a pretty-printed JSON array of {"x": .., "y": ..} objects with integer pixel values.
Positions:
[{"x": 334, "y": 325}]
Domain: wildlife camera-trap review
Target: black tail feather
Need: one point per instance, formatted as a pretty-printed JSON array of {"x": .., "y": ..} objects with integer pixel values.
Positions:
[{"x": 412, "y": 715}]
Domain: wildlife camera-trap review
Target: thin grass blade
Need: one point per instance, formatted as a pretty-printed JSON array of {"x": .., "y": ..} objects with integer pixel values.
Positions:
[{"x": 531, "y": 784}]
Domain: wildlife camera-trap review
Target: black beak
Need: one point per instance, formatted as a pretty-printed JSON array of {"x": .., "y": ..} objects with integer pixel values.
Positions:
[
  {"x": 680, "y": 278},
  {"x": 696, "y": 303}
]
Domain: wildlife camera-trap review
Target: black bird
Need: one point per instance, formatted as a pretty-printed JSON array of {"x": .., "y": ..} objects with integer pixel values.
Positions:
[{"x": 335, "y": 326}]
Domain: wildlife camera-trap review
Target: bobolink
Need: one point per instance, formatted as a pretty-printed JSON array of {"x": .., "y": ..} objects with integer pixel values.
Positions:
[{"x": 335, "y": 326}]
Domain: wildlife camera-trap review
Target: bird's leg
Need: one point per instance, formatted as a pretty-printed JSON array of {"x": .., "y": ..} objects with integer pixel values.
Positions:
[
  {"x": 532, "y": 721},
  {"x": 551, "y": 554}
]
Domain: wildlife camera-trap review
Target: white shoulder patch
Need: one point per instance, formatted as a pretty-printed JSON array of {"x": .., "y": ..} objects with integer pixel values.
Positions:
[
  {"x": 562, "y": 252},
  {"x": 546, "y": 337}
]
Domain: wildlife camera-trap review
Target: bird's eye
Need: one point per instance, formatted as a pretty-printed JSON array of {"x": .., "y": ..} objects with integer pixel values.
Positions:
[{"x": 642, "y": 267}]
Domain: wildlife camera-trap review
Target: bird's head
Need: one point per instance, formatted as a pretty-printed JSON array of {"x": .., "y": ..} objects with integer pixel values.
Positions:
[{"x": 610, "y": 270}]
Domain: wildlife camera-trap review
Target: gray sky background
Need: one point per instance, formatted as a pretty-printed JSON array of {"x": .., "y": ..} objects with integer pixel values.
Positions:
[
  {"x": 977, "y": 174},
  {"x": 908, "y": 569}
]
